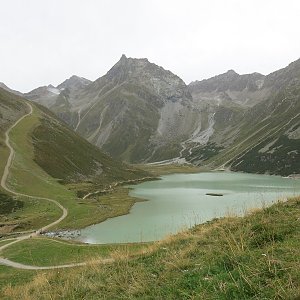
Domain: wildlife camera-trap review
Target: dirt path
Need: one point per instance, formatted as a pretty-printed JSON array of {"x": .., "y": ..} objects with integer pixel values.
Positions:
[
  {"x": 7, "y": 262},
  {"x": 6, "y": 173},
  {"x": 16, "y": 265}
]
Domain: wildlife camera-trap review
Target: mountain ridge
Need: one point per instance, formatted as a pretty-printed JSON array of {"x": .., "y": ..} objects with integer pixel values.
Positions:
[
  {"x": 140, "y": 112},
  {"x": 73, "y": 159}
]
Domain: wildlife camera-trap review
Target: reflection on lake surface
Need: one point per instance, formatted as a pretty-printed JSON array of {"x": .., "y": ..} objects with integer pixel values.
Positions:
[{"x": 179, "y": 201}]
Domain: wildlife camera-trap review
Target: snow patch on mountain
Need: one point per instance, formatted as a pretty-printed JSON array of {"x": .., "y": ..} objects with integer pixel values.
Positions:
[{"x": 53, "y": 90}]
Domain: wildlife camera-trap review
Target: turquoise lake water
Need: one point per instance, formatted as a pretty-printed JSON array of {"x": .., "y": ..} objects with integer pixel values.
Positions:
[{"x": 179, "y": 201}]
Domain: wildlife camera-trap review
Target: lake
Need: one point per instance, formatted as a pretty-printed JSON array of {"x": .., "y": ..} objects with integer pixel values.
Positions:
[{"x": 179, "y": 201}]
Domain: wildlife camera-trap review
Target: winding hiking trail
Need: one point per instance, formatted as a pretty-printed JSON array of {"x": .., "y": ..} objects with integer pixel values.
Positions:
[{"x": 10, "y": 263}]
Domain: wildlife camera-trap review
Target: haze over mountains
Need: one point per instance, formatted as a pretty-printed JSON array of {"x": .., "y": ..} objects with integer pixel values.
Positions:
[{"x": 139, "y": 112}]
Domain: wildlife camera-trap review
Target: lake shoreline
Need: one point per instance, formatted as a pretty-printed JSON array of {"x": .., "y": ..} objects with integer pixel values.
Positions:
[
  {"x": 67, "y": 234},
  {"x": 235, "y": 174}
]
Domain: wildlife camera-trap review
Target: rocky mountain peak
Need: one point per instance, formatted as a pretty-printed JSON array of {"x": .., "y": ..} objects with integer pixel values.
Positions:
[
  {"x": 231, "y": 73},
  {"x": 74, "y": 83},
  {"x": 128, "y": 63},
  {"x": 229, "y": 81},
  {"x": 123, "y": 57},
  {"x": 139, "y": 71}
]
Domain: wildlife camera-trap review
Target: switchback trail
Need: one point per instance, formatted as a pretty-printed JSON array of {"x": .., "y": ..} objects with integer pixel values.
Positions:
[{"x": 10, "y": 263}]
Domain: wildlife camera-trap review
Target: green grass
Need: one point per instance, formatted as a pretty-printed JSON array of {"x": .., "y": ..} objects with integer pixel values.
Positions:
[
  {"x": 26, "y": 176},
  {"x": 98, "y": 208},
  {"x": 73, "y": 159},
  {"x": 4, "y": 153},
  {"x": 8, "y": 204},
  {"x": 254, "y": 257},
  {"x": 205, "y": 152},
  {"x": 282, "y": 158},
  {"x": 4, "y": 242},
  {"x": 158, "y": 170},
  {"x": 34, "y": 214},
  {"x": 12, "y": 277},
  {"x": 32, "y": 251},
  {"x": 15, "y": 108}
]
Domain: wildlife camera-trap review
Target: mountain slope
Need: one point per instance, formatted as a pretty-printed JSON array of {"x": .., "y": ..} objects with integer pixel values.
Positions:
[
  {"x": 48, "y": 95},
  {"x": 73, "y": 159},
  {"x": 11, "y": 109},
  {"x": 5, "y": 87},
  {"x": 46, "y": 154},
  {"x": 139, "y": 112},
  {"x": 135, "y": 112},
  {"x": 246, "y": 89},
  {"x": 266, "y": 137}
]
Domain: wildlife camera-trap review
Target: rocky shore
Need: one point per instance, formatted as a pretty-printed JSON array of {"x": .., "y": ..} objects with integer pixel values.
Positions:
[{"x": 63, "y": 234}]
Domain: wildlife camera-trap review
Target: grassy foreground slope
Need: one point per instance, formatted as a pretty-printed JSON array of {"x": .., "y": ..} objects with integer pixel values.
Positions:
[
  {"x": 255, "y": 257},
  {"x": 47, "y": 153}
]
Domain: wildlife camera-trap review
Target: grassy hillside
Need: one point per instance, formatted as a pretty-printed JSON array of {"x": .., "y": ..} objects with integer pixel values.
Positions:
[
  {"x": 12, "y": 108},
  {"x": 280, "y": 158},
  {"x": 73, "y": 159},
  {"x": 275, "y": 151},
  {"x": 255, "y": 257},
  {"x": 47, "y": 154}
]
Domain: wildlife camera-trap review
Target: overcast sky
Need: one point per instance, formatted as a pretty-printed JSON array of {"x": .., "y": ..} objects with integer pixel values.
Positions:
[{"x": 43, "y": 42}]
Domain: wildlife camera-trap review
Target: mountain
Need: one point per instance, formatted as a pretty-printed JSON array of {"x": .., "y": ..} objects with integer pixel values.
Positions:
[
  {"x": 74, "y": 83},
  {"x": 262, "y": 138},
  {"x": 136, "y": 112},
  {"x": 45, "y": 95},
  {"x": 245, "y": 89},
  {"x": 140, "y": 112},
  {"x": 48, "y": 95},
  {"x": 5, "y": 87},
  {"x": 73, "y": 159}
]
